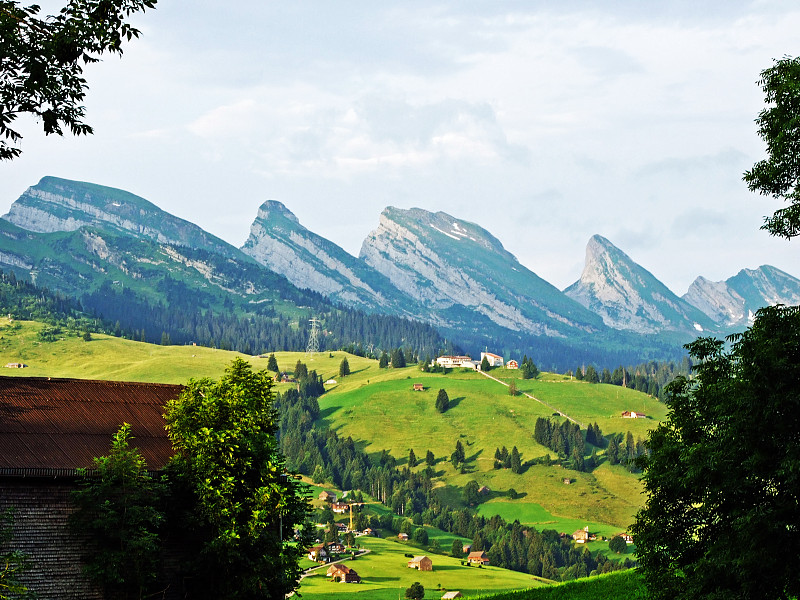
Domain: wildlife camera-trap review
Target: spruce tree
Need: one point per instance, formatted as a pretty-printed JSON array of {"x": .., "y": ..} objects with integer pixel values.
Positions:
[
  {"x": 272, "y": 363},
  {"x": 442, "y": 401}
]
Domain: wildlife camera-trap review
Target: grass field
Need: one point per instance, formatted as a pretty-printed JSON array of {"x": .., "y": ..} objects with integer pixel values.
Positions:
[
  {"x": 385, "y": 576},
  {"x": 625, "y": 585},
  {"x": 380, "y": 410}
]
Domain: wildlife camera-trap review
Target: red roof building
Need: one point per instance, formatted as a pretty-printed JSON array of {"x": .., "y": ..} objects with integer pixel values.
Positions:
[{"x": 49, "y": 428}]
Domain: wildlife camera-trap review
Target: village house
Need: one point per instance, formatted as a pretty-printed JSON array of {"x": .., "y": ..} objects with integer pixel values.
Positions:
[
  {"x": 317, "y": 553},
  {"x": 466, "y": 548},
  {"x": 15, "y": 365},
  {"x": 343, "y": 574},
  {"x": 335, "y": 548},
  {"x": 493, "y": 359},
  {"x": 402, "y": 536},
  {"x": 368, "y": 531},
  {"x": 512, "y": 364},
  {"x": 484, "y": 490},
  {"x": 629, "y": 414},
  {"x": 581, "y": 536},
  {"x": 340, "y": 508},
  {"x": 51, "y": 427},
  {"x": 327, "y": 496},
  {"x": 477, "y": 558},
  {"x": 451, "y": 362},
  {"x": 421, "y": 563},
  {"x": 626, "y": 536},
  {"x": 418, "y": 387}
]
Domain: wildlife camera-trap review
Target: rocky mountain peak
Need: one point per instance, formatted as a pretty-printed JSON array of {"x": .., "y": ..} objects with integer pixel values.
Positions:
[
  {"x": 272, "y": 210},
  {"x": 627, "y": 296}
]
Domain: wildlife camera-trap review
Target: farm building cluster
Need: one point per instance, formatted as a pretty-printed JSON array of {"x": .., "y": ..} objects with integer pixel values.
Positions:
[{"x": 466, "y": 362}]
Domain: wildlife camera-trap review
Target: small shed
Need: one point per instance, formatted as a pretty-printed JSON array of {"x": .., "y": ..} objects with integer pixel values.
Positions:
[
  {"x": 418, "y": 387},
  {"x": 402, "y": 536},
  {"x": 512, "y": 364},
  {"x": 453, "y": 594},
  {"x": 327, "y": 496},
  {"x": 421, "y": 563},
  {"x": 345, "y": 574}
]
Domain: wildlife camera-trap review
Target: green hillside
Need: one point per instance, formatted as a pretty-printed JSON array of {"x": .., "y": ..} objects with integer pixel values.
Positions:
[
  {"x": 627, "y": 585},
  {"x": 388, "y": 414}
]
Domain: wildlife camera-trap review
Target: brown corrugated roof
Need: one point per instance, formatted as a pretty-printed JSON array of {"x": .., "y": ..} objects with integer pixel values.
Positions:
[{"x": 49, "y": 423}]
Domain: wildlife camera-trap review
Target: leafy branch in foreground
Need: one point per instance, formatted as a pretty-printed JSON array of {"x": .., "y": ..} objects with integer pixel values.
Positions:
[{"x": 42, "y": 59}]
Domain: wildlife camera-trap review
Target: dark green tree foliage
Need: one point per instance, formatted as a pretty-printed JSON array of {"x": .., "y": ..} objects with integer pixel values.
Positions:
[
  {"x": 566, "y": 439},
  {"x": 617, "y": 544},
  {"x": 272, "y": 363},
  {"x": 516, "y": 461},
  {"x": 244, "y": 504},
  {"x": 779, "y": 126},
  {"x": 398, "y": 358},
  {"x": 119, "y": 509},
  {"x": 430, "y": 459},
  {"x": 485, "y": 366},
  {"x": 591, "y": 375},
  {"x": 442, "y": 401},
  {"x": 721, "y": 515},
  {"x": 13, "y": 563},
  {"x": 420, "y": 536},
  {"x": 470, "y": 493},
  {"x": 383, "y": 362},
  {"x": 416, "y": 591},
  {"x": 457, "y": 549},
  {"x": 344, "y": 368},
  {"x": 458, "y": 456},
  {"x": 43, "y": 58},
  {"x": 512, "y": 388},
  {"x": 412, "y": 458},
  {"x": 528, "y": 369}
]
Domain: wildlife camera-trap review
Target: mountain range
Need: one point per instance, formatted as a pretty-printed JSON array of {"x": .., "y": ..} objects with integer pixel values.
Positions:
[{"x": 79, "y": 238}]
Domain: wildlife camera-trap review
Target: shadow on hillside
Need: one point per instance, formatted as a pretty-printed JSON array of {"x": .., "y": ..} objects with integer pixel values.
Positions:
[
  {"x": 327, "y": 412},
  {"x": 454, "y": 402},
  {"x": 371, "y": 579}
]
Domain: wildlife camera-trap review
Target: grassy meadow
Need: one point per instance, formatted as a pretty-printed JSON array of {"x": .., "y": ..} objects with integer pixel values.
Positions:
[
  {"x": 380, "y": 410},
  {"x": 385, "y": 576}
]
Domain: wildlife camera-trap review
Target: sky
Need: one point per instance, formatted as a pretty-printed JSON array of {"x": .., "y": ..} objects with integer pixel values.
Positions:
[{"x": 543, "y": 122}]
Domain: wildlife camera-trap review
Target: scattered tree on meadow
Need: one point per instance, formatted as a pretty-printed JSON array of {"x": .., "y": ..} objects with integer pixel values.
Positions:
[
  {"x": 457, "y": 549},
  {"x": 528, "y": 369},
  {"x": 383, "y": 362},
  {"x": 300, "y": 370},
  {"x": 470, "y": 494},
  {"x": 442, "y": 401},
  {"x": 512, "y": 388},
  {"x": 617, "y": 544},
  {"x": 516, "y": 461},
  {"x": 344, "y": 368},
  {"x": 412, "y": 458},
  {"x": 458, "y": 456},
  {"x": 416, "y": 591},
  {"x": 398, "y": 358},
  {"x": 430, "y": 459},
  {"x": 272, "y": 363}
]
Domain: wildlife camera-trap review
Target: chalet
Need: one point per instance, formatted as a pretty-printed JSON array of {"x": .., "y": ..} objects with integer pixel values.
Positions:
[
  {"x": 402, "y": 536},
  {"x": 450, "y": 362},
  {"x": 327, "y": 496},
  {"x": 512, "y": 364},
  {"x": 630, "y": 414},
  {"x": 421, "y": 563},
  {"x": 341, "y": 527},
  {"x": 581, "y": 536},
  {"x": 343, "y": 574},
  {"x": 451, "y": 595},
  {"x": 335, "y": 548},
  {"x": 368, "y": 531},
  {"x": 418, "y": 387},
  {"x": 15, "y": 365},
  {"x": 477, "y": 558},
  {"x": 466, "y": 548},
  {"x": 626, "y": 536},
  {"x": 340, "y": 508},
  {"x": 318, "y": 553},
  {"x": 483, "y": 490},
  {"x": 49, "y": 428}
]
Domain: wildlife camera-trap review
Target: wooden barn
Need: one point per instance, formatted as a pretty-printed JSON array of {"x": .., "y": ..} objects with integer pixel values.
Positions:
[{"x": 50, "y": 428}]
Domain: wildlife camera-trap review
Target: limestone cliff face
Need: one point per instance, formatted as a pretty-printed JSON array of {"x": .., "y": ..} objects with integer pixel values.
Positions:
[
  {"x": 629, "y": 297},
  {"x": 734, "y": 302},
  {"x": 62, "y": 205},
  {"x": 278, "y": 241},
  {"x": 454, "y": 267}
]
